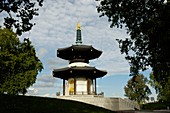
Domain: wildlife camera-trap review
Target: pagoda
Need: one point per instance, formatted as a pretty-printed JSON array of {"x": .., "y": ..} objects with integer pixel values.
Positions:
[{"x": 79, "y": 78}]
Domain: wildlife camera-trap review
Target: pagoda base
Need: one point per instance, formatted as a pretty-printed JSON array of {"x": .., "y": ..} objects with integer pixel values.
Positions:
[{"x": 110, "y": 103}]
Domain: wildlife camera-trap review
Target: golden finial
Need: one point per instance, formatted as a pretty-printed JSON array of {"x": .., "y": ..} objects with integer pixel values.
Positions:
[{"x": 78, "y": 26}]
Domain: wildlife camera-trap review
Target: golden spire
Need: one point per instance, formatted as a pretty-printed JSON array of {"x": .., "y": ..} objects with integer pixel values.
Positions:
[
  {"x": 78, "y": 36},
  {"x": 78, "y": 26}
]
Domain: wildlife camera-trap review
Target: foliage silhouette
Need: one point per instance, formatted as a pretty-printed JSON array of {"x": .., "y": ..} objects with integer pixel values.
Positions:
[{"x": 19, "y": 64}]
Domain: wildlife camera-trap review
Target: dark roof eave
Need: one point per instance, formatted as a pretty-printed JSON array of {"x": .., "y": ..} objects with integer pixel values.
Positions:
[
  {"x": 88, "y": 72},
  {"x": 68, "y": 52}
]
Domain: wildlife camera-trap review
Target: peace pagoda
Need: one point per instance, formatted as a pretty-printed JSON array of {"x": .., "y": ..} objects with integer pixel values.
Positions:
[{"x": 79, "y": 78}]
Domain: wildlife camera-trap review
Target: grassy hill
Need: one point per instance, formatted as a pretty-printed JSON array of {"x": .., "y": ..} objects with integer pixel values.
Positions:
[
  {"x": 30, "y": 104},
  {"x": 155, "y": 106}
]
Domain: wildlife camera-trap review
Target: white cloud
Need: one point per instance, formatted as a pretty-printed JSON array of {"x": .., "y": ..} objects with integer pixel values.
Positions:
[
  {"x": 42, "y": 52},
  {"x": 46, "y": 85},
  {"x": 54, "y": 63},
  {"x": 32, "y": 91},
  {"x": 46, "y": 81}
]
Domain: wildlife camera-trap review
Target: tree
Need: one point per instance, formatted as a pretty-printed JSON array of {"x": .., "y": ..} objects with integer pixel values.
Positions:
[
  {"x": 137, "y": 90},
  {"x": 19, "y": 13},
  {"x": 147, "y": 22},
  {"x": 19, "y": 64},
  {"x": 163, "y": 93}
]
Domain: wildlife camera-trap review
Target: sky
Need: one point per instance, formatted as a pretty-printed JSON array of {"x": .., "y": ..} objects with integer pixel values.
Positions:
[{"x": 56, "y": 28}]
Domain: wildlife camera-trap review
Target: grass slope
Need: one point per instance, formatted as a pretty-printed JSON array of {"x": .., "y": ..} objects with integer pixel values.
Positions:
[
  {"x": 29, "y": 104},
  {"x": 155, "y": 106}
]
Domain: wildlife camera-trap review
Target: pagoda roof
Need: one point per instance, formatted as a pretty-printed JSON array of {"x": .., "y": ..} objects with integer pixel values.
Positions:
[
  {"x": 71, "y": 72},
  {"x": 86, "y": 52}
]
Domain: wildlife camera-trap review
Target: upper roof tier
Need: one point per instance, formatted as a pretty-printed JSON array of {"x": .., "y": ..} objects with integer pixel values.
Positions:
[{"x": 78, "y": 53}]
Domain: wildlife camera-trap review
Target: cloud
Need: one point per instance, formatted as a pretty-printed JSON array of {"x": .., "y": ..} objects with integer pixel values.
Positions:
[
  {"x": 42, "y": 52},
  {"x": 44, "y": 84},
  {"x": 54, "y": 63},
  {"x": 46, "y": 81},
  {"x": 31, "y": 91},
  {"x": 49, "y": 95},
  {"x": 2, "y": 15}
]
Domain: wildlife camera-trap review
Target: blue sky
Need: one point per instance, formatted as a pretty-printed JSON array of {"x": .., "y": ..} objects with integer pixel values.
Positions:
[{"x": 56, "y": 28}]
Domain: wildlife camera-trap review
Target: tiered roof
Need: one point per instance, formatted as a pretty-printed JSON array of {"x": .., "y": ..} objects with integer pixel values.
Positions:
[{"x": 78, "y": 53}]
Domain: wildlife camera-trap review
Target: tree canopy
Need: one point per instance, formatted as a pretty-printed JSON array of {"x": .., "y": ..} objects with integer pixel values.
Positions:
[
  {"x": 137, "y": 89},
  {"x": 163, "y": 93},
  {"x": 19, "y": 64},
  {"x": 19, "y": 13},
  {"x": 147, "y": 23}
]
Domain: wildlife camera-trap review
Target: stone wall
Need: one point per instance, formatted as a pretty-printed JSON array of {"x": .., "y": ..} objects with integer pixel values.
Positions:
[{"x": 113, "y": 104}]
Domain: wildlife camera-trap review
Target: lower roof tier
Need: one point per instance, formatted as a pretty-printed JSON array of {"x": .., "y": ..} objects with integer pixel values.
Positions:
[
  {"x": 73, "y": 52},
  {"x": 73, "y": 72}
]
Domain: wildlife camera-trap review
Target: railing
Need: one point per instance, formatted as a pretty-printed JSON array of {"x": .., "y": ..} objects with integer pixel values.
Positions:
[
  {"x": 80, "y": 93},
  {"x": 85, "y": 93}
]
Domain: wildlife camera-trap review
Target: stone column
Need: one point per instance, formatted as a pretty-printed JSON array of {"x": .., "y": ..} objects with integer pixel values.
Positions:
[
  {"x": 64, "y": 87},
  {"x": 74, "y": 86},
  {"x": 95, "y": 89},
  {"x": 88, "y": 86}
]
